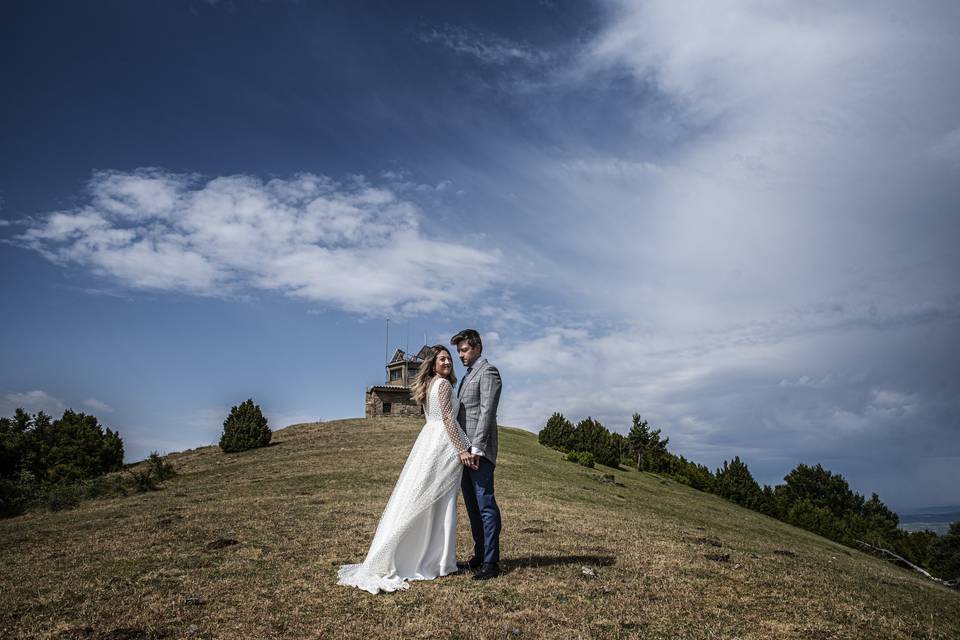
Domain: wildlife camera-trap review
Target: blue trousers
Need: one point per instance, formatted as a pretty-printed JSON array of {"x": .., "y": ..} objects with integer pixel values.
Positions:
[{"x": 482, "y": 508}]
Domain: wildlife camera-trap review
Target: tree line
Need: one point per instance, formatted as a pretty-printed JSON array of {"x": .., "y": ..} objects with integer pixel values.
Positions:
[
  {"x": 58, "y": 463},
  {"x": 811, "y": 497}
]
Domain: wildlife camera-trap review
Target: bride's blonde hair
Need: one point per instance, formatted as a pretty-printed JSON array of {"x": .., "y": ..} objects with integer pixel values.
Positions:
[{"x": 428, "y": 369}]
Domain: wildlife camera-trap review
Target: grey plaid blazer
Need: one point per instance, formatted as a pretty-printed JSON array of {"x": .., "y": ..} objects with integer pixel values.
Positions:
[{"x": 479, "y": 395}]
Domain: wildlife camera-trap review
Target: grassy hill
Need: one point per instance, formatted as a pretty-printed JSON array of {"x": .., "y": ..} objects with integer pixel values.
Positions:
[{"x": 668, "y": 561}]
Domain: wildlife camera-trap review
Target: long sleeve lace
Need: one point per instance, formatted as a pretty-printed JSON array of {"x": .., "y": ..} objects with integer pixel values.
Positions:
[{"x": 456, "y": 434}]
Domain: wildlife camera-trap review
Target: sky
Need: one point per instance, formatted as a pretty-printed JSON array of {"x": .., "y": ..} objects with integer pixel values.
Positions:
[{"x": 738, "y": 219}]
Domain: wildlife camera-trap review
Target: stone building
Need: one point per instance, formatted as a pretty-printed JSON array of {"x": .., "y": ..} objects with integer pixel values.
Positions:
[{"x": 393, "y": 398}]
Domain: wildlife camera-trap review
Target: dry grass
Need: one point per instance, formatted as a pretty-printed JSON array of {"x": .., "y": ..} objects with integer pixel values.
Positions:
[{"x": 139, "y": 567}]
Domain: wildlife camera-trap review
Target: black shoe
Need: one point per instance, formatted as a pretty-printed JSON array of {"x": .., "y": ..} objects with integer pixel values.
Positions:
[
  {"x": 487, "y": 571},
  {"x": 472, "y": 564}
]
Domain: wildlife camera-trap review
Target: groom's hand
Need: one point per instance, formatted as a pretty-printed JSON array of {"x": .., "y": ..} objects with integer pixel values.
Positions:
[{"x": 470, "y": 460}]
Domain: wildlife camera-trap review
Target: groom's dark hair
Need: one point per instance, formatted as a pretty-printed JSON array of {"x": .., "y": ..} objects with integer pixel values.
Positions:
[{"x": 471, "y": 336}]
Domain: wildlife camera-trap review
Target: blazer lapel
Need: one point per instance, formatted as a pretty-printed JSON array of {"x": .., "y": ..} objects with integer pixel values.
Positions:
[{"x": 472, "y": 375}]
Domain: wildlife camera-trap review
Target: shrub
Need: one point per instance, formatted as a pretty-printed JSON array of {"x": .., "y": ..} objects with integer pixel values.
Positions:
[
  {"x": 584, "y": 458},
  {"x": 113, "y": 486},
  {"x": 150, "y": 478},
  {"x": 59, "y": 497},
  {"x": 143, "y": 481},
  {"x": 13, "y": 500},
  {"x": 158, "y": 468},
  {"x": 245, "y": 428}
]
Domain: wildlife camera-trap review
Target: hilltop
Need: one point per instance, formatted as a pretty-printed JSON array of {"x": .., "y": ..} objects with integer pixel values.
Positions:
[{"x": 247, "y": 546}]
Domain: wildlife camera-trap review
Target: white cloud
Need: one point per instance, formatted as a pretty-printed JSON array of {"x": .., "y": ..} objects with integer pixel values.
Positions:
[
  {"x": 32, "y": 402},
  {"x": 351, "y": 246},
  {"x": 794, "y": 158},
  {"x": 782, "y": 279},
  {"x": 98, "y": 405},
  {"x": 487, "y": 48}
]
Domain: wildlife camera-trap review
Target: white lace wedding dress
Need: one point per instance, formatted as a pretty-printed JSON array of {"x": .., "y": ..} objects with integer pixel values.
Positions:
[{"x": 416, "y": 538}]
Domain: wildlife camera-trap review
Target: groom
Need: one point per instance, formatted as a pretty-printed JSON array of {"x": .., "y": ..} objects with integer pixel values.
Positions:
[{"x": 479, "y": 394}]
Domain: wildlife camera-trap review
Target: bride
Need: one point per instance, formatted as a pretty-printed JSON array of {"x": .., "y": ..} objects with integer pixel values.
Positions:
[{"x": 416, "y": 538}]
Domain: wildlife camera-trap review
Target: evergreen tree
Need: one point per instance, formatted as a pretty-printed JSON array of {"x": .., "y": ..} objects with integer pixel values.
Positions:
[
  {"x": 621, "y": 447},
  {"x": 804, "y": 513},
  {"x": 917, "y": 547},
  {"x": 648, "y": 449},
  {"x": 735, "y": 483},
  {"x": 11, "y": 449},
  {"x": 878, "y": 515},
  {"x": 769, "y": 504},
  {"x": 821, "y": 487},
  {"x": 72, "y": 448},
  {"x": 245, "y": 428},
  {"x": 590, "y": 435},
  {"x": 557, "y": 433},
  {"x": 945, "y": 555}
]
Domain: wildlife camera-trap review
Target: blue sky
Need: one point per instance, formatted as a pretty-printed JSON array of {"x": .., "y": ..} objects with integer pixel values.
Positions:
[{"x": 738, "y": 220}]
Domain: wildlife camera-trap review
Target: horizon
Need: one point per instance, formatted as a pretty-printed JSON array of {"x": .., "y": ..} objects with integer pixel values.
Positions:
[{"x": 738, "y": 222}]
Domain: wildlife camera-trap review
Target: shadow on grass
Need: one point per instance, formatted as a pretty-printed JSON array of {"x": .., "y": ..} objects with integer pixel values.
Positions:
[{"x": 509, "y": 564}]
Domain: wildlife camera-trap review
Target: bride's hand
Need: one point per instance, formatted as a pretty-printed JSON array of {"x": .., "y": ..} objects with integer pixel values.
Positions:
[{"x": 467, "y": 459}]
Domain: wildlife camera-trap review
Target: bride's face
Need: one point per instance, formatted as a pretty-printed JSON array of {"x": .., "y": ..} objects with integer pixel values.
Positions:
[{"x": 443, "y": 365}]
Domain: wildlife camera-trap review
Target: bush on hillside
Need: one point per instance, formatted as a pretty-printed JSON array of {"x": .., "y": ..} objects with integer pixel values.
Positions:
[
  {"x": 62, "y": 496},
  {"x": 245, "y": 428},
  {"x": 156, "y": 471},
  {"x": 13, "y": 498},
  {"x": 685, "y": 471},
  {"x": 160, "y": 469},
  {"x": 584, "y": 458}
]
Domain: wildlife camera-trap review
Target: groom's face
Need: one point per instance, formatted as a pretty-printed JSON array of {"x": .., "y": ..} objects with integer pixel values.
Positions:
[{"x": 467, "y": 353}]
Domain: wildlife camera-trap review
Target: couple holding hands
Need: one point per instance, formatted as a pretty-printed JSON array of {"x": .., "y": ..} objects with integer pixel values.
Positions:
[{"x": 416, "y": 538}]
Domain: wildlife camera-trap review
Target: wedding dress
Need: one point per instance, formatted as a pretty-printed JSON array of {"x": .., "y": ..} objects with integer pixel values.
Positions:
[{"x": 416, "y": 538}]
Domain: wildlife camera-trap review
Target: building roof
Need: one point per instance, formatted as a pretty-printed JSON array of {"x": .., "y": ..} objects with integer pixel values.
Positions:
[
  {"x": 424, "y": 353},
  {"x": 401, "y": 356},
  {"x": 388, "y": 387}
]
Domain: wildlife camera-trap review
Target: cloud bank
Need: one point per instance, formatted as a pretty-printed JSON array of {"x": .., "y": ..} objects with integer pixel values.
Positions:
[
  {"x": 771, "y": 237},
  {"x": 351, "y": 246}
]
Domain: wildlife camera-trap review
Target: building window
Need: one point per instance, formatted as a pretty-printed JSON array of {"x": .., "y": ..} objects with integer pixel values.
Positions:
[
  {"x": 387, "y": 407},
  {"x": 395, "y": 374}
]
